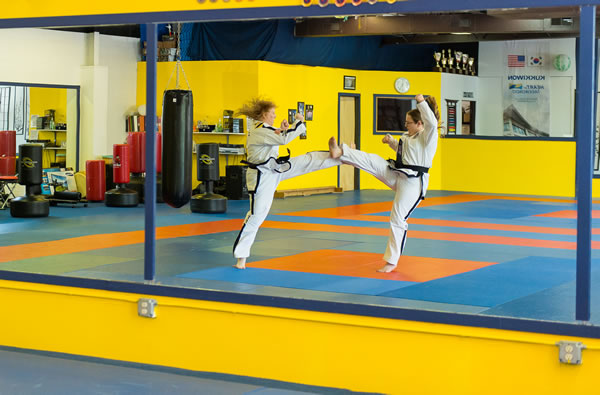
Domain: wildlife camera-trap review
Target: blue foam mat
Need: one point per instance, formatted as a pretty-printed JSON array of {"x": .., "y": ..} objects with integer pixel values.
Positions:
[
  {"x": 288, "y": 279},
  {"x": 496, "y": 284}
]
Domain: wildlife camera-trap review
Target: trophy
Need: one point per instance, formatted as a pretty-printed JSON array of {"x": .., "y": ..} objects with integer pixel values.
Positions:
[
  {"x": 450, "y": 61},
  {"x": 470, "y": 62},
  {"x": 465, "y": 59},
  {"x": 437, "y": 56},
  {"x": 458, "y": 56},
  {"x": 444, "y": 60}
]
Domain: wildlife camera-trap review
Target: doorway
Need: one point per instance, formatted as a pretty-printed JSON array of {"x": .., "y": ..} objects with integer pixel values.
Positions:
[{"x": 349, "y": 132}]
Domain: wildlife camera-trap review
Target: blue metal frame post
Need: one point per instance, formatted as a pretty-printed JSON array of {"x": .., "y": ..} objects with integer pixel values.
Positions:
[
  {"x": 150, "y": 184},
  {"x": 585, "y": 156}
]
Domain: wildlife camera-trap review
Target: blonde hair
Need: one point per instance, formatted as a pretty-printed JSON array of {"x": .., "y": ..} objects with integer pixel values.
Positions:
[
  {"x": 256, "y": 108},
  {"x": 416, "y": 115}
]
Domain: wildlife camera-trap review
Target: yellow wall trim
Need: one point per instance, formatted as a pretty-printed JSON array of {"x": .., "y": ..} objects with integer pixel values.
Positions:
[{"x": 323, "y": 349}]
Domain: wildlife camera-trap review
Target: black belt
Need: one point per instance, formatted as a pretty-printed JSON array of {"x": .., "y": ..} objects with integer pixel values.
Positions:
[
  {"x": 281, "y": 160},
  {"x": 418, "y": 169}
]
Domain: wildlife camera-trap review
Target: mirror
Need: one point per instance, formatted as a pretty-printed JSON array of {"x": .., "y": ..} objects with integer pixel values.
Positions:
[{"x": 47, "y": 114}]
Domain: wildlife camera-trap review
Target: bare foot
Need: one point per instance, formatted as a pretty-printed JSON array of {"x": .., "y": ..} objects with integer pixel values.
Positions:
[
  {"x": 334, "y": 150},
  {"x": 352, "y": 145},
  {"x": 241, "y": 263},
  {"x": 387, "y": 268}
]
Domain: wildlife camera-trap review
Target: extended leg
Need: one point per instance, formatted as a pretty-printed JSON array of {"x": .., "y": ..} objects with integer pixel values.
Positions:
[
  {"x": 408, "y": 196},
  {"x": 309, "y": 162},
  {"x": 371, "y": 163}
]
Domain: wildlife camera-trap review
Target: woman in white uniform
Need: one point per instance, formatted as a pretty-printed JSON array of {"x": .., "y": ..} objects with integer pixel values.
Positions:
[
  {"x": 407, "y": 175},
  {"x": 266, "y": 170}
]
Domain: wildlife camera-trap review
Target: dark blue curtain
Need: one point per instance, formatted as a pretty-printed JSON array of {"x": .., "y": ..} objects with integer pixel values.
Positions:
[{"x": 274, "y": 41}]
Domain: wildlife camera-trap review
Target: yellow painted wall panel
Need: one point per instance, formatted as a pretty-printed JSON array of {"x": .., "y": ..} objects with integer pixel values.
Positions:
[
  {"x": 545, "y": 168},
  {"x": 216, "y": 86},
  {"x": 41, "y": 8},
  {"x": 42, "y": 99},
  {"x": 320, "y": 86},
  {"x": 353, "y": 352},
  {"x": 219, "y": 85}
]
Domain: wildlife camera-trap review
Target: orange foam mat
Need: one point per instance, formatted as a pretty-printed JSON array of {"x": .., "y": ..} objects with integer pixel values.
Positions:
[
  {"x": 370, "y": 208},
  {"x": 95, "y": 242},
  {"x": 349, "y": 212},
  {"x": 365, "y": 264},
  {"x": 570, "y": 214},
  {"x": 466, "y": 238},
  {"x": 473, "y": 225}
]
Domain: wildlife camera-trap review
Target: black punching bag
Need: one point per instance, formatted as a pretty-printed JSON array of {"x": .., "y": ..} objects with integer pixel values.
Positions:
[
  {"x": 208, "y": 172},
  {"x": 177, "y": 147},
  {"x": 30, "y": 174}
]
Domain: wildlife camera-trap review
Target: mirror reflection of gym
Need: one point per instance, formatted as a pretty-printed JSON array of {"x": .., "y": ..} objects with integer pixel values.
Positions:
[{"x": 41, "y": 114}]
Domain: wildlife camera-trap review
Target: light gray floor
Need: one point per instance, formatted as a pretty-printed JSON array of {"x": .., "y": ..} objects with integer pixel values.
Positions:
[{"x": 31, "y": 373}]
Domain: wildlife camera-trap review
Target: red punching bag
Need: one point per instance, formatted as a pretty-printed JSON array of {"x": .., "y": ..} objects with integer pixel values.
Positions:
[
  {"x": 8, "y": 166},
  {"x": 95, "y": 180},
  {"x": 177, "y": 147},
  {"x": 8, "y": 143},
  {"x": 120, "y": 163},
  {"x": 137, "y": 150},
  {"x": 121, "y": 196}
]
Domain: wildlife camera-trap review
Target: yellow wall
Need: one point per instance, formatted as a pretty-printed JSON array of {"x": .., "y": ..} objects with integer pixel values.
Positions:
[
  {"x": 42, "y": 99},
  {"x": 545, "y": 168},
  {"x": 320, "y": 86},
  {"x": 42, "y": 8},
  {"x": 219, "y": 85},
  {"x": 322, "y": 349}
]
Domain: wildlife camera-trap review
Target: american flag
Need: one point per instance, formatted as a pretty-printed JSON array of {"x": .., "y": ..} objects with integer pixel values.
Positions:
[{"x": 516, "y": 60}]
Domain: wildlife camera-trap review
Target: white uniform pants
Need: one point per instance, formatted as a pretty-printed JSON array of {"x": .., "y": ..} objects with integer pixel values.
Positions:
[
  {"x": 264, "y": 182},
  {"x": 406, "y": 199}
]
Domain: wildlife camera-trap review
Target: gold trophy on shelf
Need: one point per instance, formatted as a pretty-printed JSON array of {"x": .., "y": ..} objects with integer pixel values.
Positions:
[
  {"x": 465, "y": 59},
  {"x": 444, "y": 60},
  {"x": 471, "y": 61},
  {"x": 450, "y": 61},
  {"x": 437, "y": 56},
  {"x": 458, "y": 56}
]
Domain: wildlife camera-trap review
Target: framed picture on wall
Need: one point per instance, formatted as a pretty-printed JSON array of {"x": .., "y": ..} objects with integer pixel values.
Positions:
[
  {"x": 309, "y": 112},
  {"x": 291, "y": 115},
  {"x": 349, "y": 82},
  {"x": 301, "y": 107}
]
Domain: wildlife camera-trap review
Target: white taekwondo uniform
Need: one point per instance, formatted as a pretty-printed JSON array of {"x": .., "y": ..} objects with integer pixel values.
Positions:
[
  {"x": 266, "y": 171},
  {"x": 407, "y": 176}
]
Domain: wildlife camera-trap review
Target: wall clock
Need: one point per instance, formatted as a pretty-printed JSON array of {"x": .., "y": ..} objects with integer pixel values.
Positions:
[{"x": 402, "y": 85}]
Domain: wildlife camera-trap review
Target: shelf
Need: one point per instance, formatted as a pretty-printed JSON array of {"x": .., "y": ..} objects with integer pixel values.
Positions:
[
  {"x": 51, "y": 130},
  {"x": 220, "y": 134}
]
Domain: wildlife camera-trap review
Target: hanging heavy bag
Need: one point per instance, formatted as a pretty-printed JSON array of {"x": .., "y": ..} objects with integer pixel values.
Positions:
[{"x": 177, "y": 147}]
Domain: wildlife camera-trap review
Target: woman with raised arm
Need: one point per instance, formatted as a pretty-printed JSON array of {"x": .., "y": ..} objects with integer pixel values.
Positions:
[
  {"x": 407, "y": 175},
  {"x": 266, "y": 170}
]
